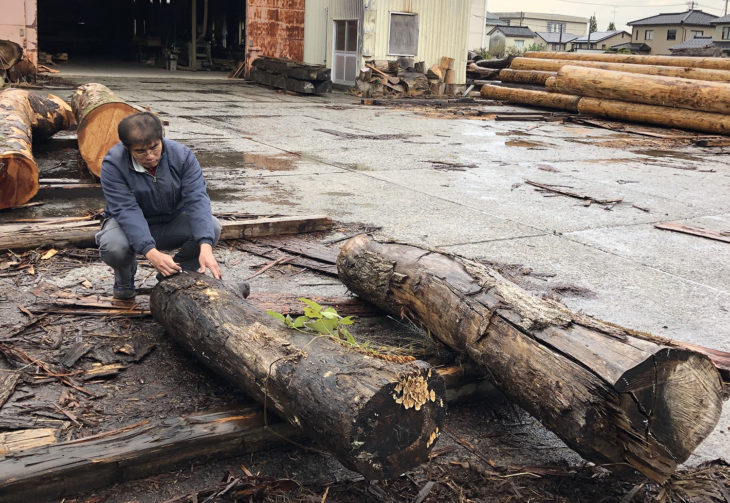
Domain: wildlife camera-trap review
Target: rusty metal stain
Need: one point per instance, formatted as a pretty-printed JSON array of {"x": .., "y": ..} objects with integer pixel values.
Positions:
[{"x": 276, "y": 27}]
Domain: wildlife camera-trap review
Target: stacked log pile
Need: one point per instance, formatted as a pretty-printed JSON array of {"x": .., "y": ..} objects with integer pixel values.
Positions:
[
  {"x": 13, "y": 66},
  {"x": 669, "y": 91},
  {"x": 25, "y": 118},
  {"x": 404, "y": 77},
  {"x": 292, "y": 76}
]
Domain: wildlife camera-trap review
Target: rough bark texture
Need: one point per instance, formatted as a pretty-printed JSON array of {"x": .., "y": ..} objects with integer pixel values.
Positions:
[
  {"x": 647, "y": 89},
  {"x": 712, "y": 63},
  {"x": 98, "y": 112},
  {"x": 529, "y": 97},
  {"x": 693, "y": 120},
  {"x": 553, "y": 65},
  {"x": 10, "y": 53},
  {"x": 24, "y": 118},
  {"x": 533, "y": 77},
  {"x": 377, "y": 417},
  {"x": 614, "y": 397}
]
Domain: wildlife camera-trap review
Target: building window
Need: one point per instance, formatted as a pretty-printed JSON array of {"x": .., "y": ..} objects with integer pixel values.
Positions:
[
  {"x": 603, "y": 46},
  {"x": 697, "y": 33},
  {"x": 553, "y": 27},
  {"x": 726, "y": 32},
  {"x": 403, "y": 35},
  {"x": 649, "y": 35},
  {"x": 671, "y": 34},
  {"x": 519, "y": 44},
  {"x": 637, "y": 34}
]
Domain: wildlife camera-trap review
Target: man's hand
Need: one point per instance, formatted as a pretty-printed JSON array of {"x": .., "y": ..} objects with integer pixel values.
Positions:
[
  {"x": 208, "y": 261},
  {"x": 163, "y": 262}
]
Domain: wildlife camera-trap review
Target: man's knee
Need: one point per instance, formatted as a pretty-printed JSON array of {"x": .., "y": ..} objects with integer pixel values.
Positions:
[
  {"x": 217, "y": 228},
  {"x": 114, "y": 247}
]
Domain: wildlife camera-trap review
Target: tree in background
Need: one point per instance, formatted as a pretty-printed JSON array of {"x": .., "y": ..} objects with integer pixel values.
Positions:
[
  {"x": 611, "y": 26},
  {"x": 592, "y": 24}
]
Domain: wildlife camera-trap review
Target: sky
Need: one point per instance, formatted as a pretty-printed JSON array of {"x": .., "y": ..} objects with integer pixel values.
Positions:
[{"x": 618, "y": 11}]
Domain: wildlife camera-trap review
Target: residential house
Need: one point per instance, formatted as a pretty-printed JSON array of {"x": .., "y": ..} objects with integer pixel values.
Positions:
[
  {"x": 722, "y": 33},
  {"x": 343, "y": 34},
  {"x": 555, "y": 41},
  {"x": 663, "y": 31},
  {"x": 504, "y": 39},
  {"x": 543, "y": 22},
  {"x": 601, "y": 40},
  {"x": 18, "y": 24},
  {"x": 696, "y": 46}
]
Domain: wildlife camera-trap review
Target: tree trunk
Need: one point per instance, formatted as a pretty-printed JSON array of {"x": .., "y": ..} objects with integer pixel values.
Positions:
[
  {"x": 536, "y": 78},
  {"x": 692, "y": 120},
  {"x": 528, "y": 97},
  {"x": 24, "y": 118},
  {"x": 10, "y": 53},
  {"x": 612, "y": 396},
  {"x": 377, "y": 417},
  {"x": 98, "y": 112},
  {"x": 553, "y": 65},
  {"x": 648, "y": 89},
  {"x": 713, "y": 63}
]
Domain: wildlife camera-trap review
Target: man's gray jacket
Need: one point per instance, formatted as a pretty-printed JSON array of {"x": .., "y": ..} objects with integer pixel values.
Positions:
[{"x": 136, "y": 199}]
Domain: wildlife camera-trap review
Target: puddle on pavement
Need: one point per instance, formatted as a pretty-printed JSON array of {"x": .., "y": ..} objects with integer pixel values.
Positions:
[
  {"x": 668, "y": 153},
  {"x": 524, "y": 144},
  {"x": 211, "y": 160}
]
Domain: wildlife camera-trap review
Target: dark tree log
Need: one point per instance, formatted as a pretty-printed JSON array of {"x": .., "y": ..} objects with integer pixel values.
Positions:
[
  {"x": 98, "y": 112},
  {"x": 543, "y": 99},
  {"x": 377, "y": 417},
  {"x": 24, "y": 118},
  {"x": 532, "y": 77},
  {"x": 611, "y": 395},
  {"x": 10, "y": 53}
]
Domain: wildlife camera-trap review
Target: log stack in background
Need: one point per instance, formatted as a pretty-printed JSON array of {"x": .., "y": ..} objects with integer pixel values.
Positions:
[
  {"x": 98, "y": 112},
  {"x": 686, "y": 93},
  {"x": 292, "y": 76},
  {"x": 25, "y": 118}
]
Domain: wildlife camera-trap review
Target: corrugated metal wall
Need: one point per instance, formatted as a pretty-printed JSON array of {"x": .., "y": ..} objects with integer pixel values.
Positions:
[
  {"x": 277, "y": 27},
  {"x": 18, "y": 22},
  {"x": 443, "y": 30},
  {"x": 318, "y": 33}
]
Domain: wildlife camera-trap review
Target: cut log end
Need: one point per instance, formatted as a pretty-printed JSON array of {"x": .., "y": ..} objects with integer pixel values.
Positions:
[
  {"x": 96, "y": 137},
  {"x": 18, "y": 180}
]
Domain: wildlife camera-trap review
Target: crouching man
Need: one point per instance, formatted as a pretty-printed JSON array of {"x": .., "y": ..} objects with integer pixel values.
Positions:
[{"x": 155, "y": 200}]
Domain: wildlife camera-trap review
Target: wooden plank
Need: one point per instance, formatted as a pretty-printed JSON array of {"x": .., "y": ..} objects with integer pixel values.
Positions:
[
  {"x": 21, "y": 440},
  {"x": 148, "y": 448},
  {"x": 81, "y": 234},
  {"x": 694, "y": 231},
  {"x": 8, "y": 380},
  {"x": 290, "y": 304}
]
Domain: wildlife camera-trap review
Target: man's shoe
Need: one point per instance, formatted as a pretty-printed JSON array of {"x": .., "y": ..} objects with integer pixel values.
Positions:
[{"x": 124, "y": 292}]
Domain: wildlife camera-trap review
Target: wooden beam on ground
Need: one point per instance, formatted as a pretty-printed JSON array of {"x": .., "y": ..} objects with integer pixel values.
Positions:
[
  {"x": 694, "y": 231},
  {"x": 613, "y": 396},
  {"x": 60, "y": 233}
]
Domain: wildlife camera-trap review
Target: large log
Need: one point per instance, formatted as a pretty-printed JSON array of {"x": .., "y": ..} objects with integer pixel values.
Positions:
[
  {"x": 98, "y": 112},
  {"x": 647, "y": 89},
  {"x": 713, "y": 63},
  {"x": 614, "y": 397},
  {"x": 536, "y": 78},
  {"x": 24, "y": 118},
  {"x": 693, "y": 120},
  {"x": 553, "y": 65},
  {"x": 529, "y": 97},
  {"x": 377, "y": 417}
]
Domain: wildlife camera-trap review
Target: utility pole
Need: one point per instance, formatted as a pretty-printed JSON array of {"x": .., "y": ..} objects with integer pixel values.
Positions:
[{"x": 725, "y": 8}]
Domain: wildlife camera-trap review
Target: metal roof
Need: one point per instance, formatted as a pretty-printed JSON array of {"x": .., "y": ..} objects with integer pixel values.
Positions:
[
  {"x": 694, "y": 43},
  {"x": 597, "y": 36},
  {"x": 553, "y": 37},
  {"x": 514, "y": 31},
  {"x": 722, "y": 20},
  {"x": 693, "y": 17}
]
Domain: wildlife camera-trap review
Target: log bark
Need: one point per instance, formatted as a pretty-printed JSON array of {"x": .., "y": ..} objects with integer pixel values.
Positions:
[
  {"x": 553, "y": 65},
  {"x": 693, "y": 120},
  {"x": 713, "y": 63},
  {"x": 647, "y": 89},
  {"x": 529, "y": 97},
  {"x": 98, "y": 112},
  {"x": 615, "y": 398},
  {"x": 24, "y": 118},
  {"x": 536, "y": 78},
  {"x": 10, "y": 53},
  {"x": 377, "y": 417}
]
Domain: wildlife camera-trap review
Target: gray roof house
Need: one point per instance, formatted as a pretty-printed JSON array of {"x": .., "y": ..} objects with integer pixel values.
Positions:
[
  {"x": 663, "y": 31},
  {"x": 601, "y": 40},
  {"x": 554, "y": 41},
  {"x": 503, "y": 39}
]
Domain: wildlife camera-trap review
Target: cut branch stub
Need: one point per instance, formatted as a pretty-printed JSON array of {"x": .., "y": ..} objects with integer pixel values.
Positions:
[
  {"x": 612, "y": 396},
  {"x": 98, "y": 112},
  {"x": 377, "y": 417}
]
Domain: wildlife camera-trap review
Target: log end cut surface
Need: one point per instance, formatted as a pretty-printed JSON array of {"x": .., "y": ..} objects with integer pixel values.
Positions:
[
  {"x": 18, "y": 180},
  {"x": 97, "y": 133}
]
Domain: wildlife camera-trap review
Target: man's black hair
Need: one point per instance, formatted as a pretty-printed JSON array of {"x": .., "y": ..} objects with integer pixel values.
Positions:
[{"x": 140, "y": 129}]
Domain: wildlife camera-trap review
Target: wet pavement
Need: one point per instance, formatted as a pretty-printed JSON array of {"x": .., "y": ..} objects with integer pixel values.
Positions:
[{"x": 460, "y": 185}]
